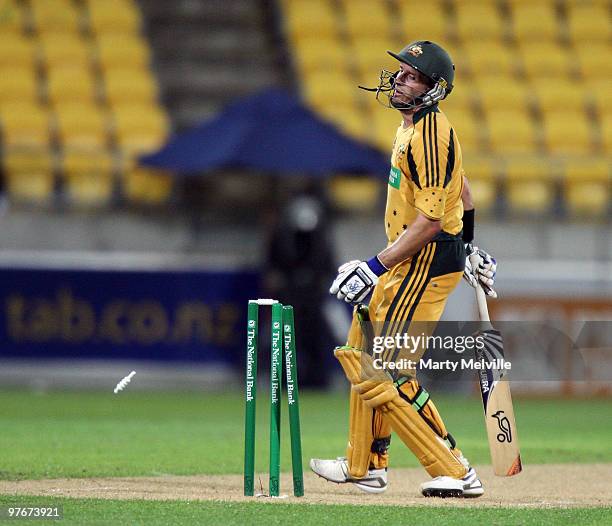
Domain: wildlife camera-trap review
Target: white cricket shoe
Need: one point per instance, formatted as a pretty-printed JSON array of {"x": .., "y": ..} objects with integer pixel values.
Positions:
[
  {"x": 337, "y": 471},
  {"x": 468, "y": 486}
]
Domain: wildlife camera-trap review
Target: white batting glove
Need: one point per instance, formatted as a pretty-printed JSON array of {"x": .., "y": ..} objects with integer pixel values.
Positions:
[
  {"x": 484, "y": 274},
  {"x": 356, "y": 279}
]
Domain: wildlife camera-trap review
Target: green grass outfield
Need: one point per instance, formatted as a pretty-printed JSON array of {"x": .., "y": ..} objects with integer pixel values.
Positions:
[
  {"x": 84, "y": 434},
  {"x": 150, "y": 513}
]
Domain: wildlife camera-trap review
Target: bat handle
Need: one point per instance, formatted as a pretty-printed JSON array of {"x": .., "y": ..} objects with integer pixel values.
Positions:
[{"x": 481, "y": 297}]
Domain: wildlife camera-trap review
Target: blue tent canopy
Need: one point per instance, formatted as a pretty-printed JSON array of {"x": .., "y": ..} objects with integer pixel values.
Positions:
[{"x": 270, "y": 131}]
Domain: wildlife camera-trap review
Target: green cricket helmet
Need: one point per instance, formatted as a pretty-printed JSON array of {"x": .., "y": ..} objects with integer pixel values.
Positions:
[{"x": 429, "y": 59}]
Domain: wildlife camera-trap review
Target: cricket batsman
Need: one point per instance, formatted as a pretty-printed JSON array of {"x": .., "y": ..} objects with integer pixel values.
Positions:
[{"x": 429, "y": 222}]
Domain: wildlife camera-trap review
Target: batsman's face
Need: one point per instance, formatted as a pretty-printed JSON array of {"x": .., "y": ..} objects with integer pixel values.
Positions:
[{"x": 409, "y": 83}]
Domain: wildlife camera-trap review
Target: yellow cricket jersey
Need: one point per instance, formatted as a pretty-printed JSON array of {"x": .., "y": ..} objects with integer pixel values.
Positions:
[{"x": 426, "y": 175}]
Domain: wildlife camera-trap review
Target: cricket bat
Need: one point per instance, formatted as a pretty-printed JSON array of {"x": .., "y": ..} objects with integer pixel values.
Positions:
[{"x": 496, "y": 397}]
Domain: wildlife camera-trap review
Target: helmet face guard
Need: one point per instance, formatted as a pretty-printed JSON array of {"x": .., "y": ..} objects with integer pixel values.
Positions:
[{"x": 385, "y": 93}]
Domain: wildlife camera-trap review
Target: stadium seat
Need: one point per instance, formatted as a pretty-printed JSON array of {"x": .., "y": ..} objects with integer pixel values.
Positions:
[
  {"x": 25, "y": 125},
  {"x": 546, "y": 59},
  {"x": 478, "y": 18},
  {"x": 534, "y": 21},
  {"x": 147, "y": 185},
  {"x": 370, "y": 56},
  {"x": 29, "y": 174},
  {"x": 511, "y": 131},
  {"x": 88, "y": 176},
  {"x": 463, "y": 97},
  {"x": 125, "y": 85},
  {"x": 350, "y": 193},
  {"x": 310, "y": 18},
  {"x": 60, "y": 16},
  {"x": 16, "y": 51},
  {"x": 18, "y": 84},
  {"x": 490, "y": 58},
  {"x": 113, "y": 16},
  {"x": 326, "y": 88},
  {"x": 467, "y": 127},
  {"x": 588, "y": 22},
  {"x": 418, "y": 18},
  {"x": 598, "y": 92},
  {"x": 82, "y": 126},
  {"x": 139, "y": 128},
  {"x": 71, "y": 85},
  {"x": 594, "y": 60},
  {"x": 555, "y": 94},
  {"x": 364, "y": 18},
  {"x": 64, "y": 50},
  {"x": 606, "y": 132},
  {"x": 586, "y": 185},
  {"x": 567, "y": 132},
  {"x": 319, "y": 54},
  {"x": 482, "y": 177},
  {"x": 497, "y": 93},
  {"x": 11, "y": 20},
  {"x": 384, "y": 123},
  {"x": 117, "y": 50},
  {"x": 529, "y": 186},
  {"x": 349, "y": 119}
]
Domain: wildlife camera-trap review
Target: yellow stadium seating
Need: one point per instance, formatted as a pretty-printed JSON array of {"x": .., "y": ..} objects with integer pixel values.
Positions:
[
  {"x": 125, "y": 85},
  {"x": 18, "y": 84},
  {"x": 349, "y": 119},
  {"x": 606, "y": 132},
  {"x": 546, "y": 59},
  {"x": 588, "y": 22},
  {"x": 559, "y": 94},
  {"x": 147, "y": 185},
  {"x": 29, "y": 175},
  {"x": 16, "y": 51},
  {"x": 594, "y": 60},
  {"x": 370, "y": 56},
  {"x": 511, "y": 131},
  {"x": 113, "y": 16},
  {"x": 534, "y": 21},
  {"x": 320, "y": 54},
  {"x": 482, "y": 178},
  {"x": 480, "y": 19},
  {"x": 422, "y": 20},
  {"x": 385, "y": 122},
  {"x": 81, "y": 126},
  {"x": 11, "y": 17},
  {"x": 55, "y": 15},
  {"x": 586, "y": 185},
  {"x": 64, "y": 50},
  {"x": 367, "y": 18},
  {"x": 88, "y": 176},
  {"x": 328, "y": 88},
  {"x": 598, "y": 91},
  {"x": 467, "y": 127},
  {"x": 310, "y": 18},
  {"x": 72, "y": 84},
  {"x": 139, "y": 128},
  {"x": 25, "y": 126},
  {"x": 529, "y": 186},
  {"x": 354, "y": 193},
  {"x": 120, "y": 50},
  {"x": 498, "y": 93},
  {"x": 462, "y": 97},
  {"x": 490, "y": 58},
  {"x": 567, "y": 132}
]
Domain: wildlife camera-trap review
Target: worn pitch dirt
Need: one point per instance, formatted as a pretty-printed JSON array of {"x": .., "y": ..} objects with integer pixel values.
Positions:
[{"x": 538, "y": 486}]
